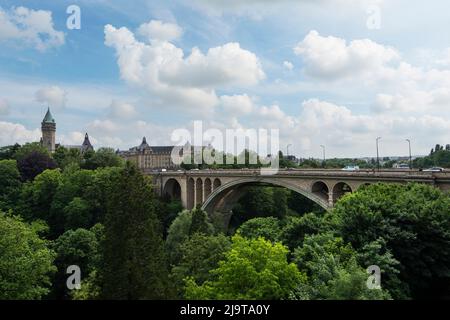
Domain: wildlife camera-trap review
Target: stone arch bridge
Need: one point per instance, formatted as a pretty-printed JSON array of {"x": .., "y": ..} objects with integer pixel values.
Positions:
[{"x": 219, "y": 190}]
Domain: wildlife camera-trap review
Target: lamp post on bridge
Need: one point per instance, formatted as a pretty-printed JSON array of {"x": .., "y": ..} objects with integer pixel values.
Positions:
[
  {"x": 323, "y": 150},
  {"x": 378, "y": 157},
  {"x": 410, "y": 158}
]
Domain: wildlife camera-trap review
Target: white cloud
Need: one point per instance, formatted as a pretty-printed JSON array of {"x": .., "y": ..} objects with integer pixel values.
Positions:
[
  {"x": 121, "y": 110},
  {"x": 54, "y": 96},
  {"x": 331, "y": 57},
  {"x": 4, "y": 107},
  {"x": 288, "y": 65},
  {"x": 105, "y": 127},
  {"x": 350, "y": 134},
  {"x": 29, "y": 27},
  {"x": 161, "y": 68},
  {"x": 237, "y": 104},
  {"x": 158, "y": 30},
  {"x": 14, "y": 132}
]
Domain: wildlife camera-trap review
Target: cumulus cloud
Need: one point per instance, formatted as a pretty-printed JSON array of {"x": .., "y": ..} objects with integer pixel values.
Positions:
[
  {"x": 288, "y": 65},
  {"x": 54, "y": 96},
  {"x": 29, "y": 27},
  {"x": 4, "y": 107},
  {"x": 14, "y": 132},
  {"x": 237, "y": 104},
  {"x": 162, "y": 69},
  {"x": 158, "y": 30},
  {"x": 353, "y": 134},
  {"x": 121, "y": 110},
  {"x": 331, "y": 57}
]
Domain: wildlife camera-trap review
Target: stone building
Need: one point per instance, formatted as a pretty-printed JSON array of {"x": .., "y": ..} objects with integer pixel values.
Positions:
[
  {"x": 150, "y": 157},
  {"x": 48, "y": 127}
]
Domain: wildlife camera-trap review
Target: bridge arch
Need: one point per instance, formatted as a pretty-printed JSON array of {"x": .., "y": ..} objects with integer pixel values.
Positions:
[
  {"x": 223, "y": 198},
  {"x": 340, "y": 189},
  {"x": 172, "y": 189},
  {"x": 321, "y": 190}
]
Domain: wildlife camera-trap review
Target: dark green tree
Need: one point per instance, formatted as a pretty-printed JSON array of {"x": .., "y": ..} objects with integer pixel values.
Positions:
[
  {"x": 10, "y": 184},
  {"x": 75, "y": 247},
  {"x": 200, "y": 223},
  {"x": 103, "y": 157},
  {"x": 269, "y": 228},
  {"x": 413, "y": 222},
  {"x": 33, "y": 164},
  {"x": 200, "y": 254},
  {"x": 332, "y": 270},
  {"x": 134, "y": 262}
]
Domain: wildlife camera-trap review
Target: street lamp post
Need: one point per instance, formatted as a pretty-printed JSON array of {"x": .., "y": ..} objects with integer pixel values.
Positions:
[
  {"x": 323, "y": 149},
  {"x": 410, "y": 158},
  {"x": 378, "y": 157}
]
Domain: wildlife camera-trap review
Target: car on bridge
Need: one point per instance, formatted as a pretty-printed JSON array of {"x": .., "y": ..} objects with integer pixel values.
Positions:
[
  {"x": 350, "y": 168},
  {"x": 434, "y": 169}
]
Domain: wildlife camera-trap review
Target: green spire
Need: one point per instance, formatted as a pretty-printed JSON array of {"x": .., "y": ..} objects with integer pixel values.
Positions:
[{"x": 48, "y": 117}]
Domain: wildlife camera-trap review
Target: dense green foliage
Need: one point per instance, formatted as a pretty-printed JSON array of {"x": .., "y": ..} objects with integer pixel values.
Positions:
[
  {"x": 413, "y": 222},
  {"x": 333, "y": 271},
  {"x": 199, "y": 254},
  {"x": 98, "y": 213},
  {"x": 26, "y": 262},
  {"x": 253, "y": 269}
]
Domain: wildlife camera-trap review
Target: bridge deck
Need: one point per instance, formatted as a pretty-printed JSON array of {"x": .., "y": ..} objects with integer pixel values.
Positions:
[{"x": 383, "y": 174}]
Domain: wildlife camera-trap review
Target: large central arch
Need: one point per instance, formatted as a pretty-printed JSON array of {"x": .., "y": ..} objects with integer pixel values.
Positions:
[{"x": 226, "y": 196}]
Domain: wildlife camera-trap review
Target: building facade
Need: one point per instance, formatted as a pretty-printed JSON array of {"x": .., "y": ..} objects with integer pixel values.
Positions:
[{"x": 150, "y": 157}]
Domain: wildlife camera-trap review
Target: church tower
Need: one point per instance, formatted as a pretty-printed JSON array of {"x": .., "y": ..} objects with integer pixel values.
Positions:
[{"x": 48, "y": 127}]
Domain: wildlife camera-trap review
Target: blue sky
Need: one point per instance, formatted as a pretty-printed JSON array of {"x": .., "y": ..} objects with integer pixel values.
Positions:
[{"x": 312, "y": 69}]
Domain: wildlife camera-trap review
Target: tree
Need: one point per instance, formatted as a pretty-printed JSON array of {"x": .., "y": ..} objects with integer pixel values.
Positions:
[
  {"x": 8, "y": 152},
  {"x": 177, "y": 234},
  {"x": 103, "y": 157},
  {"x": 10, "y": 184},
  {"x": 252, "y": 269},
  {"x": 70, "y": 204},
  {"x": 413, "y": 222},
  {"x": 65, "y": 157},
  {"x": 296, "y": 228},
  {"x": 167, "y": 211},
  {"x": 332, "y": 270},
  {"x": 26, "y": 262},
  {"x": 29, "y": 148},
  {"x": 134, "y": 262},
  {"x": 37, "y": 196},
  {"x": 269, "y": 228},
  {"x": 77, "y": 214},
  {"x": 200, "y": 223},
  {"x": 200, "y": 254},
  {"x": 33, "y": 164},
  {"x": 75, "y": 247}
]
